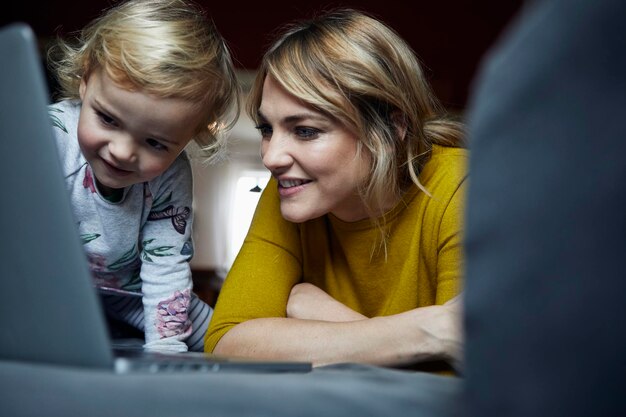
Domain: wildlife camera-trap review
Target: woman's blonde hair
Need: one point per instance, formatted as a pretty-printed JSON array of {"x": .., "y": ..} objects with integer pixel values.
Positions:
[
  {"x": 358, "y": 70},
  {"x": 168, "y": 48}
]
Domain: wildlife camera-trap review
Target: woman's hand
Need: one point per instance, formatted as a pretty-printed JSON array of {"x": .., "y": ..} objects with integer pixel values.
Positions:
[{"x": 443, "y": 324}]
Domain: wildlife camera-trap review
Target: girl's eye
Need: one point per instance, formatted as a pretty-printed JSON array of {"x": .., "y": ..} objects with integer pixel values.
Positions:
[
  {"x": 156, "y": 145},
  {"x": 106, "y": 119},
  {"x": 264, "y": 129},
  {"x": 307, "y": 132}
]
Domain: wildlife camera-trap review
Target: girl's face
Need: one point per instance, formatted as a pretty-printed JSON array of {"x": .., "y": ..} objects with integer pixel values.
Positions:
[
  {"x": 129, "y": 137},
  {"x": 313, "y": 157}
]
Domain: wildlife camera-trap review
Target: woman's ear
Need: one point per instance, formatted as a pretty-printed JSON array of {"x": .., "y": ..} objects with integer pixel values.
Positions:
[{"x": 399, "y": 122}]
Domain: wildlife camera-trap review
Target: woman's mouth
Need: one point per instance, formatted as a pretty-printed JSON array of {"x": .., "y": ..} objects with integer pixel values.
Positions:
[
  {"x": 291, "y": 183},
  {"x": 289, "y": 187}
]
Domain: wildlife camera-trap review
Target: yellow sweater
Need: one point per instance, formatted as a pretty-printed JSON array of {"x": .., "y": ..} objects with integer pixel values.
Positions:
[{"x": 423, "y": 265}]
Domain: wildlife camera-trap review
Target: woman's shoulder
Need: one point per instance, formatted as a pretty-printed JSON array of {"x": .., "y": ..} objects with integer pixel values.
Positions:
[
  {"x": 446, "y": 164},
  {"x": 444, "y": 178},
  {"x": 449, "y": 154}
]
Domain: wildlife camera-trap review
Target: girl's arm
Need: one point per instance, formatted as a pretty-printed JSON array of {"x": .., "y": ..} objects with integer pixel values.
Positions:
[{"x": 166, "y": 249}]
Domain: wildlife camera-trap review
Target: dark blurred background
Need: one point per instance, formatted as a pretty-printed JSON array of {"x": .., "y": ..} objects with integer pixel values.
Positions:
[{"x": 449, "y": 36}]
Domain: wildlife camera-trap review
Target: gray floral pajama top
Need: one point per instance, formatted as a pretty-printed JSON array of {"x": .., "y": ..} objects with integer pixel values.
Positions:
[{"x": 142, "y": 243}]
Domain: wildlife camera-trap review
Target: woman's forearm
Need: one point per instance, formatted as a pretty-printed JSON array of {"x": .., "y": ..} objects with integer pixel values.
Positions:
[{"x": 414, "y": 336}]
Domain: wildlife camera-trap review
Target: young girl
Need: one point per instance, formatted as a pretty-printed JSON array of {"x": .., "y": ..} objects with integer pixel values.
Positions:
[
  {"x": 354, "y": 252},
  {"x": 145, "y": 79}
]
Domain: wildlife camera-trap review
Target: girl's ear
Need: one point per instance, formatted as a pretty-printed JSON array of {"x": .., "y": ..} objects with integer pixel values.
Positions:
[
  {"x": 399, "y": 121},
  {"x": 82, "y": 87}
]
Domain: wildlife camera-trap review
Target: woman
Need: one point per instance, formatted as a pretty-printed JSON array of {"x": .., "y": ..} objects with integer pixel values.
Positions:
[{"x": 355, "y": 246}]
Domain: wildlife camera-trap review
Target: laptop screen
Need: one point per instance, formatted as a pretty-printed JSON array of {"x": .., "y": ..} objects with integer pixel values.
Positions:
[{"x": 49, "y": 309}]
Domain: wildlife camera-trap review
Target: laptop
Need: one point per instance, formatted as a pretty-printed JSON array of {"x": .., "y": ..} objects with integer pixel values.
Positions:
[{"x": 50, "y": 310}]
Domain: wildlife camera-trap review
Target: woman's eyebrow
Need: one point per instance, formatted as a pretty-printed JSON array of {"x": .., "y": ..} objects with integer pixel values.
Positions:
[{"x": 294, "y": 118}]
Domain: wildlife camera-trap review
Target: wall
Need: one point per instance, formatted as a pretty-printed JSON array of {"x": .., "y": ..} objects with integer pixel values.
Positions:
[{"x": 214, "y": 197}]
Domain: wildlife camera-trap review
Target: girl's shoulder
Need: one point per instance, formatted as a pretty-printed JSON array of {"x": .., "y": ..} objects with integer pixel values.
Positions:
[
  {"x": 180, "y": 167},
  {"x": 64, "y": 111},
  {"x": 64, "y": 119},
  {"x": 177, "y": 179}
]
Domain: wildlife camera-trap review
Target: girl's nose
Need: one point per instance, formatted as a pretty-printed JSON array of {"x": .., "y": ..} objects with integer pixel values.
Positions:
[{"x": 123, "y": 150}]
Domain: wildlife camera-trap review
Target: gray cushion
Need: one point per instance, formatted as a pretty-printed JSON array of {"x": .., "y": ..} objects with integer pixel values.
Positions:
[{"x": 546, "y": 221}]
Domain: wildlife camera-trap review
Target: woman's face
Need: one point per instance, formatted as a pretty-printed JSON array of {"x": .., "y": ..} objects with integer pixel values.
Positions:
[{"x": 313, "y": 157}]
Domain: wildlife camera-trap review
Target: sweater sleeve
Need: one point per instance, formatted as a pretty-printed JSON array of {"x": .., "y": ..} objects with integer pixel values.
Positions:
[
  {"x": 166, "y": 249},
  {"x": 450, "y": 248},
  {"x": 268, "y": 265}
]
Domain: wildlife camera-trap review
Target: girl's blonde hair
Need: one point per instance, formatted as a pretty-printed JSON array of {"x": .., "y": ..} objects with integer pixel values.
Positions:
[
  {"x": 168, "y": 48},
  {"x": 358, "y": 70}
]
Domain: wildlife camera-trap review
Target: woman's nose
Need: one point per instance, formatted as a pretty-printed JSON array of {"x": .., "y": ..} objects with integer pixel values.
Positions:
[{"x": 276, "y": 153}]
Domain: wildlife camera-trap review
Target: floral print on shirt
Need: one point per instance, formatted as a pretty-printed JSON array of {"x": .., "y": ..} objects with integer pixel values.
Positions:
[{"x": 171, "y": 316}]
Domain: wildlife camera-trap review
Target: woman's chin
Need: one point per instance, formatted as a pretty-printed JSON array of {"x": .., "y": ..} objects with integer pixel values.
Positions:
[{"x": 294, "y": 215}]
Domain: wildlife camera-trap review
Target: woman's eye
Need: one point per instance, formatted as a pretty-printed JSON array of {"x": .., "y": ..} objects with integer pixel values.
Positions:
[
  {"x": 264, "y": 129},
  {"x": 307, "y": 132},
  {"x": 156, "y": 145}
]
